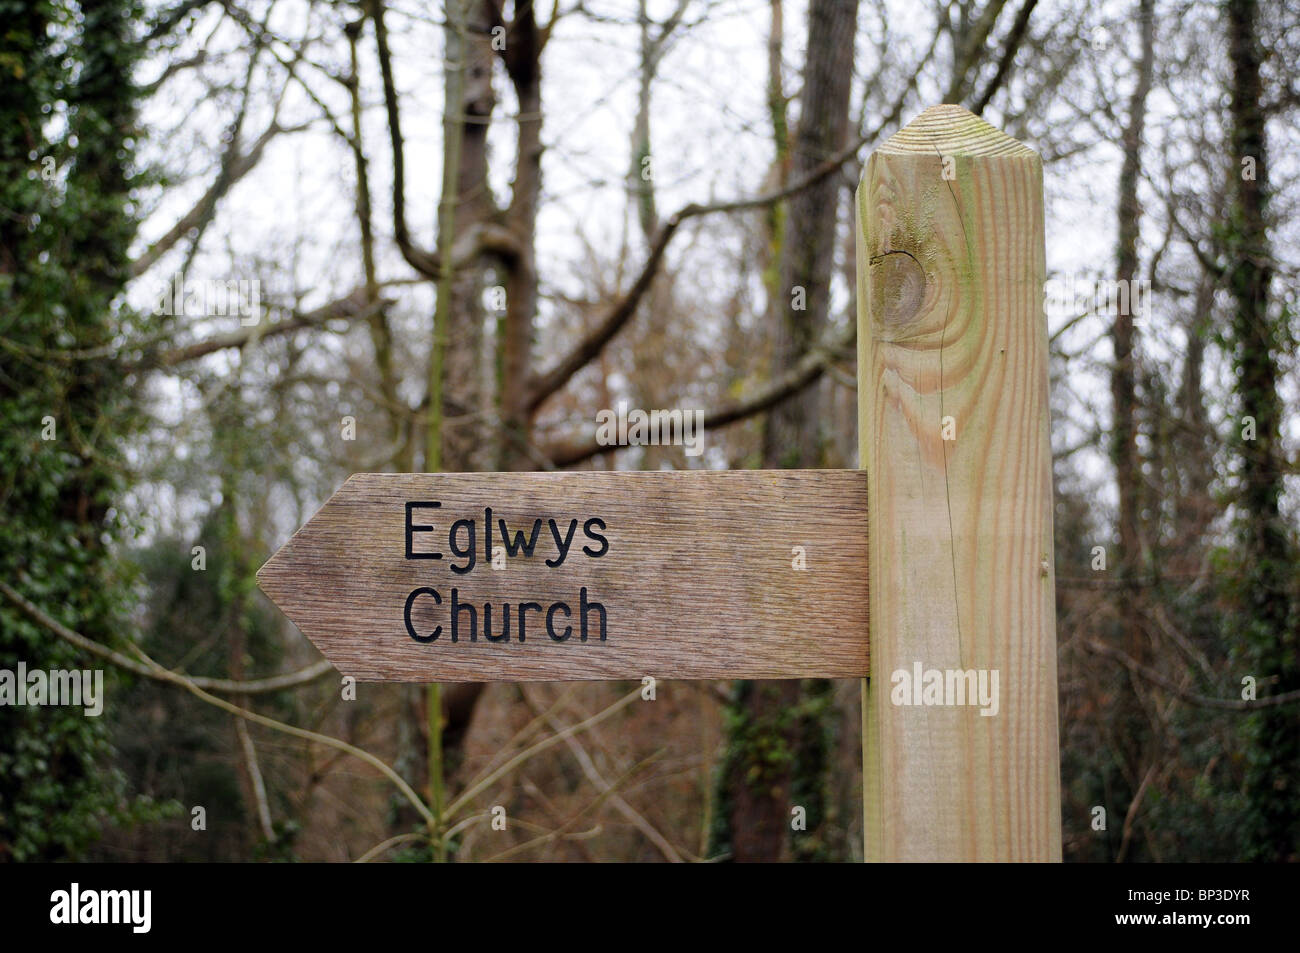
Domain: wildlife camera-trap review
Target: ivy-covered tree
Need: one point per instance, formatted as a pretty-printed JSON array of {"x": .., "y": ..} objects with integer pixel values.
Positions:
[
  {"x": 1267, "y": 567},
  {"x": 67, "y": 115}
]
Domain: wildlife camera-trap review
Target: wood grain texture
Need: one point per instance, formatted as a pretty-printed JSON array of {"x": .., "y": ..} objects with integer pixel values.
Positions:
[
  {"x": 697, "y": 581},
  {"x": 951, "y": 325}
]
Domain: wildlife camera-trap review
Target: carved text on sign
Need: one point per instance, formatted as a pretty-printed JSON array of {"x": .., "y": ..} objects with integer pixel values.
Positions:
[{"x": 466, "y": 620}]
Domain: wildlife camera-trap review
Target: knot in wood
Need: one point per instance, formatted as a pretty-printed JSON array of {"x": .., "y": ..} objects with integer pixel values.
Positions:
[{"x": 901, "y": 283}]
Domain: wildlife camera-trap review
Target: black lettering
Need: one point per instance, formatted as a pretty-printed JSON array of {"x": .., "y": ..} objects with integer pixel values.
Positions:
[
  {"x": 513, "y": 547},
  {"x": 604, "y": 543},
  {"x": 456, "y": 607},
  {"x": 413, "y": 528},
  {"x": 505, "y": 623},
  {"x": 561, "y": 545},
  {"x": 550, "y": 620},
  {"x": 410, "y": 601},
  {"x": 468, "y": 553},
  {"x": 523, "y": 615},
  {"x": 584, "y": 608}
]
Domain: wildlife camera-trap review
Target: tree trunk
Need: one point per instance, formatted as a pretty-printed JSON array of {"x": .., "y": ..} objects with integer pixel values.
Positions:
[
  {"x": 778, "y": 737},
  {"x": 1267, "y": 598},
  {"x": 1133, "y": 732},
  {"x": 1124, "y": 402}
]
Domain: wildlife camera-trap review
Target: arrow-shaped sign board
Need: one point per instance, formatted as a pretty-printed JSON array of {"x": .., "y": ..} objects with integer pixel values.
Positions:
[{"x": 584, "y": 575}]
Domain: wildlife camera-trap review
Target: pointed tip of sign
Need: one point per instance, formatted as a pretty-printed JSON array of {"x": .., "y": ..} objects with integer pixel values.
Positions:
[
  {"x": 950, "y": 130},
  {"x": 271, "y": 575},
  {"x": 280, "y": 564},
  {"x": 266, "y": 579}
]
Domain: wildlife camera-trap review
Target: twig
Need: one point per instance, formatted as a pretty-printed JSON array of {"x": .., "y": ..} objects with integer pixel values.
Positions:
[
  {"x": 1202, "y": 701},
  {"x": 593, "y": 774},
  {"x": 255, "y": 779},
  {"x": 805, "y": 372},
  {"x": 259, "y": 686},
  {"x": 151, "y": 669},
  {"x": 476, "y": 789},
  {"x": 1131, "y": 814},
  {"x": 392, "y": 842}
]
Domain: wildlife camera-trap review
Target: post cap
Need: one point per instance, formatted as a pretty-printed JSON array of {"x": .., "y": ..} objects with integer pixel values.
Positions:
[{"x": 949, "y": 130}]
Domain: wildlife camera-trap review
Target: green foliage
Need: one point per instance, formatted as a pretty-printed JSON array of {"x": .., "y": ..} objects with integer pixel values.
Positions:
[
  {"x": 281, "y": 848},
  {"x": 814, "y": 721},
  {"x": 1264, "y": 593},
  {"x": 780, "y": 752},
  {"x": 66, "y": 122},
  {"x": 1263, "y": 614},
  {"x": 175, "y": 749},
  {"x": 417, "y": 852}
]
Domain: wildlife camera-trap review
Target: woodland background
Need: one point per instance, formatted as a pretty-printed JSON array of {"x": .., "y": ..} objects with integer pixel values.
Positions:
[{"x": 476, "y": 223}]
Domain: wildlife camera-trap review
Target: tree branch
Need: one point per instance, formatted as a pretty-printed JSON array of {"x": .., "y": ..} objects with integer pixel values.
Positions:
[
  {"x": 477, "y": 788},
  {"x": 805, "y": 372},
  {"x": 261, "y": 686},
  {"x": 352, "y": 307},
  {"x": 1014, "y": 39},
  {"x": 621, "y": 311},
  {"x": 151, "y": 669},
  {"x": 306, "y": 735},
  {"x": 973, "y": 49},
  {"x": 1201, "y": 701}
]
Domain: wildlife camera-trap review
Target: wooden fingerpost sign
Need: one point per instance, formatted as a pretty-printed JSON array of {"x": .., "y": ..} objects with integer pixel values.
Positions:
[
  {"x": 960, "y": 757},
  {"x": 764, "y": 574},
  {"x": 474, "y": 577}
]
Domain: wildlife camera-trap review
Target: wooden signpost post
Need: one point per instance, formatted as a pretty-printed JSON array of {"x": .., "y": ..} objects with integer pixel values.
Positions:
[
  {"x": 774, "y": 574},
  {"x": 953, "y": 434}
]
